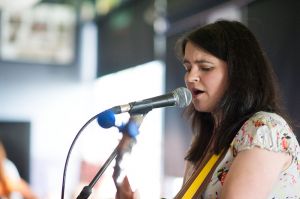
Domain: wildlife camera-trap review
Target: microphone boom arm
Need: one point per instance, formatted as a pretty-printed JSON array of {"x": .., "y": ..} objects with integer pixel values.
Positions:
[{"x": 124, "y": 147}]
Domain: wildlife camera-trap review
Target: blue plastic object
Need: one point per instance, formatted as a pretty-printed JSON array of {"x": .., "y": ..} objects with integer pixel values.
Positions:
[{"x": 106, "y": 119}]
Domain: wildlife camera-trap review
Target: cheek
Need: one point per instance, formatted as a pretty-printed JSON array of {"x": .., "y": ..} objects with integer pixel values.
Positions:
[{"x": 217, "y": 83}]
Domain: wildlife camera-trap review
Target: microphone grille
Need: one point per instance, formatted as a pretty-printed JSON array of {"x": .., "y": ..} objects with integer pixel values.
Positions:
[{"x": 183, "y": 97}]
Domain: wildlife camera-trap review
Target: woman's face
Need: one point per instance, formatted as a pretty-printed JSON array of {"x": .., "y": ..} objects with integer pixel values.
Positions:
[{"x": 206, "y": 77}]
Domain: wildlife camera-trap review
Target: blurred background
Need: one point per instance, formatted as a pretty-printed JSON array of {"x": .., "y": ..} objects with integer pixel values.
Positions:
[{"x": 64, "y": 61}]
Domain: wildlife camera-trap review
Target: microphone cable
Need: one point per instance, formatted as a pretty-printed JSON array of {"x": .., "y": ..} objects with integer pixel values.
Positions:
[{"x": 69, "y": 154}]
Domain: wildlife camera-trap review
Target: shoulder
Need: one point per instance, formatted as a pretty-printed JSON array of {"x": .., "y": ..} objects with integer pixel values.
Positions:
[
  {"x": 266, "y": 130},
  {"x": 11, "y": 169},
  {"x": 268, "y": 120}
]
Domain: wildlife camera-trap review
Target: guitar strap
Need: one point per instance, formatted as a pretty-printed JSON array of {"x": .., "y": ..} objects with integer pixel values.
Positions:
[{"x": 197, "y": 183}]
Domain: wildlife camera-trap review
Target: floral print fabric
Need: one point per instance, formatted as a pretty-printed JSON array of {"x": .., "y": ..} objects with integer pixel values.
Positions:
[{"x": 268, "y": 131}]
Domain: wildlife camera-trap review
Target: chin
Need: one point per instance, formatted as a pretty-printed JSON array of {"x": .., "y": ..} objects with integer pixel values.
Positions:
[
  {"x": 200, "y": 107},
  {"x": 203, "y": 109}
]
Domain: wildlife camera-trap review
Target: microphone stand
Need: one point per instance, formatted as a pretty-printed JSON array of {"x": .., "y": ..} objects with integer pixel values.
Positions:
[
  {"x": 87, "y": 190},
  {"x": 130, "y": 130}
]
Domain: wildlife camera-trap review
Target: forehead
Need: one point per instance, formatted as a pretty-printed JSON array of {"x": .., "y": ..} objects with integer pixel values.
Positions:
[{"x": 194, "y": 52}]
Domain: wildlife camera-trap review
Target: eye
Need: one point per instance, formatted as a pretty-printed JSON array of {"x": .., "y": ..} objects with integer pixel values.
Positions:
[{"x": 206, "y": 68}]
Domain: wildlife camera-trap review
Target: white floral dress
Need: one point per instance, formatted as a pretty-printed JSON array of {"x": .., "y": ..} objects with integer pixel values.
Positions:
[{"x": 268, "y": 131}]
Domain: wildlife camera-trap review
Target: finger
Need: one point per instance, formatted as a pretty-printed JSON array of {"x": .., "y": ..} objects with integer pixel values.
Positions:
[{"x": 124, "y": 190}]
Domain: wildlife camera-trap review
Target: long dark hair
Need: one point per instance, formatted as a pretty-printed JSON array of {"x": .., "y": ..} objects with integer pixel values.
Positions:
[{"x": 252, "y": 84}]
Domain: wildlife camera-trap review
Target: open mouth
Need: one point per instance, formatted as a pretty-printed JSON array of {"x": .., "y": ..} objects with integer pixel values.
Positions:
[{"x": 197, "y": 92}]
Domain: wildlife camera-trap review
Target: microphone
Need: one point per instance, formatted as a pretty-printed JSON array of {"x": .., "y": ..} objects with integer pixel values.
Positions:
[{"x": 180, "y": 97}]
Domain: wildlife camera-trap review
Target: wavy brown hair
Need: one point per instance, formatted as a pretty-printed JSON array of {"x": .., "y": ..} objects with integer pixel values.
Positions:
[{"x": 252, "y": 84}]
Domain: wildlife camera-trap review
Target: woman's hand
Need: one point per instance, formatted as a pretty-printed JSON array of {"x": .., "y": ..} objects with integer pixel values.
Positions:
[{"x": 124, "y": 190}]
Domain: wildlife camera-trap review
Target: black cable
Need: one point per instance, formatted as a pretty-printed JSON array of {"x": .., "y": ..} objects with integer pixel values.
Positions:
[{"x": 69, "y": 154}]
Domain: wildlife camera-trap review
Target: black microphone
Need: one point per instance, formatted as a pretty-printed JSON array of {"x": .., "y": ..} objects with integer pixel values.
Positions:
[{"x": 180, "y": 97}]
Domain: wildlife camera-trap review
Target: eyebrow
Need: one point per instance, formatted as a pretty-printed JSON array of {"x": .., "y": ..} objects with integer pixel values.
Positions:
[{"x": 201, "y": 61}]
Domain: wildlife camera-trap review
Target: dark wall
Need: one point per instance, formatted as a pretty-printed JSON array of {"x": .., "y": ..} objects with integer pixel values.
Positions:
[
  {"x": 125, "y": 37},
  {"x": 15, "y": 137},
  {"x": 178, "y": 9},
  {"x": 276, "y": 24}
]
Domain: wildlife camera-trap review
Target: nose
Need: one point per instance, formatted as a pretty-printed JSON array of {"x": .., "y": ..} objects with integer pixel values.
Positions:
[{"x": 192, "y": 76}]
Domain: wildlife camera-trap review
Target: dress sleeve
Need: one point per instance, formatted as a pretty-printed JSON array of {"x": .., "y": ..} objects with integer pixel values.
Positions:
[{"x": 268, "y": 131}]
